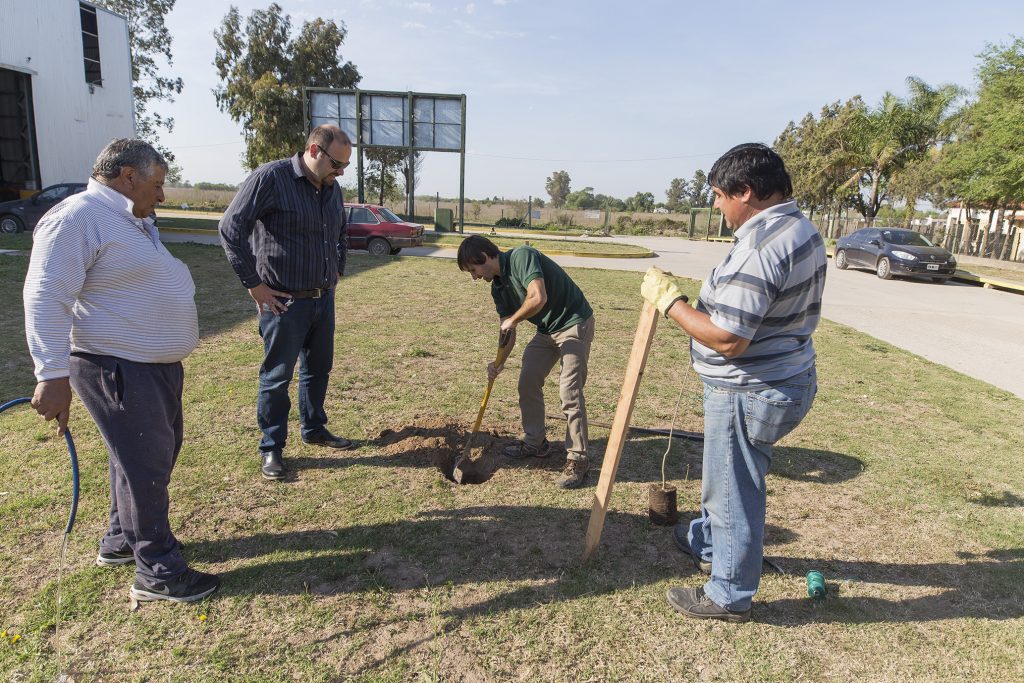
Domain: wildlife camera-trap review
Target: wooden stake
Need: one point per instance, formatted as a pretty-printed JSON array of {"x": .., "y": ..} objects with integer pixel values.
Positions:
[{"x": 620, "y": 425}]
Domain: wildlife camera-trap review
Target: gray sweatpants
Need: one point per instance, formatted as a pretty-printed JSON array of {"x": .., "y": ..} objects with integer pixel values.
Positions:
[
  {"x": 137, "y": 408},
  {"x": 571, "y": 349}
]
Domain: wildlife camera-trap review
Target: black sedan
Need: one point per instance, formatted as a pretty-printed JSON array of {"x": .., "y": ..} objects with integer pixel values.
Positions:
[
  {"x": 894, "y": 252},
  {"x": 23, "y": 214}
]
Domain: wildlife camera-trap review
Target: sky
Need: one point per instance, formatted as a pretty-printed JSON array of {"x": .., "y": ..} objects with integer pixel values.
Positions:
[{"x": 624, "y": 96}]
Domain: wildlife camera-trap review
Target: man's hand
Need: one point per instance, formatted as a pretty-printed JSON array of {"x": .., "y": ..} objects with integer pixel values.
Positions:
[
  {"x": 52, "y": 399},
  {"x": 661, "y": 290},
  {"x": 508, "y": 326},
  {"x": 267, "y": 301},
  {"x": 493, "y": 372}
]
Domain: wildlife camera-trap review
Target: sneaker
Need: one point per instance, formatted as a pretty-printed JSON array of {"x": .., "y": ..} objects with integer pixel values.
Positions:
[
  {"x": 115, "y": 558},
  {"x": 692, "y": 602},
  {"x": 521, "y": 449},
  {"x": 679, "y": 536},
  {"x": 189, "y": 587},
  {"x": 573, "y": 474}
]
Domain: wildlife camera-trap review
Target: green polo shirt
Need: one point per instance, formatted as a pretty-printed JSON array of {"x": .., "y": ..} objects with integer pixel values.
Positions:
[{"x": 566, "y": 306}]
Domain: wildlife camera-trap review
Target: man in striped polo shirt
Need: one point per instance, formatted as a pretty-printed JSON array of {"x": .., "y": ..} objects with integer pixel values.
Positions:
[
  {"x": 751, "y": 345},
  {"x": 283, "y": 234},
  {"x": 110, "y": 313}
]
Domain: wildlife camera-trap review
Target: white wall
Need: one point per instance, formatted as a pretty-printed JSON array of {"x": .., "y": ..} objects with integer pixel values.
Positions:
[{"x": 44, "y": 38}]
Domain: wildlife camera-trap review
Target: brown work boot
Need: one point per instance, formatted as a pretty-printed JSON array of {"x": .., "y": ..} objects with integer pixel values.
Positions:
[{"x": 574, "y": 473}]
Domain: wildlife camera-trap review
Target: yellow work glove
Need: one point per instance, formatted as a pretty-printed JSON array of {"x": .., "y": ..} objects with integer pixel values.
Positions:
[{"x": 661, "y": 290}]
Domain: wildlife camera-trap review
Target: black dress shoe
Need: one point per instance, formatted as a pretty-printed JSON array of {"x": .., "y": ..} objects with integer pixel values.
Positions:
[
  {"x": 325, "y": 438},
  {"x": 273, "y": 465}
]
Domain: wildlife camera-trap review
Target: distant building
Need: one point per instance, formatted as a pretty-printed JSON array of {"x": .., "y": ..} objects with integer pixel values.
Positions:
[
  {"x": 996, "y": 226},
  {"x": 65, "y": 90}
]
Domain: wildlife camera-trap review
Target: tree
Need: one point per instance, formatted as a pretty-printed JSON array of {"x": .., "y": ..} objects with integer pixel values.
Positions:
[
  {"x": 700, "y": 191},
  {"x": 984, "y": 165},
  {"x": 263, "y": 70},
  {"x": 557, "y": 186},
  {"x": 676, "y": 194},
  {"x": 149, "y": 40},
  {"x": 581, "y": 199},
  {"x": 381, "y": 171},
  {"x": 641, "y": 202}
]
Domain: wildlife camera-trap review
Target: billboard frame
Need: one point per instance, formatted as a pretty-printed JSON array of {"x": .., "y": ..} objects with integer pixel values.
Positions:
[{"x": 409, "y": 121}]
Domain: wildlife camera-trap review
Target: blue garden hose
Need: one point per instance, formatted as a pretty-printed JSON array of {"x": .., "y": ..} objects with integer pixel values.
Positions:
[{"x": 74, "y": 465}]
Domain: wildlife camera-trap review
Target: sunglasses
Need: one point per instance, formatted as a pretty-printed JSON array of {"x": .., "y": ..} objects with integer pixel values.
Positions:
[{"x": 335, "y": 164}]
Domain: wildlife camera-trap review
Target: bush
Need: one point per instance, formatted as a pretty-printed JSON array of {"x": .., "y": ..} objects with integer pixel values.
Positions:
[{"x": 510, "y": 222}]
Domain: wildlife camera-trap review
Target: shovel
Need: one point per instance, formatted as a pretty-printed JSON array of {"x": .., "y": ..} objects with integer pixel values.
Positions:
[{"x": 503, "y": 350}]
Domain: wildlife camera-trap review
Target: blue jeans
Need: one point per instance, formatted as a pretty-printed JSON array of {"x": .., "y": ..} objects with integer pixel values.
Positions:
[
  {"x": 740, "y": 428},
  {"x": 305, "y": 332}
]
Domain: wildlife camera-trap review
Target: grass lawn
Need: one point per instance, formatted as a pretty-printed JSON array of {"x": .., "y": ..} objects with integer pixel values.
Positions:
[{"x": 904, "y": 486}]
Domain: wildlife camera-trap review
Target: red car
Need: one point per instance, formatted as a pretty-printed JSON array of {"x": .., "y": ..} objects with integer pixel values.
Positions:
[{"x": 378, "y": 231}]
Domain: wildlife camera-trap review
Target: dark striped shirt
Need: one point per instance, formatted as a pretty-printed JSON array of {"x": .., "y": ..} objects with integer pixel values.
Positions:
[
  {"x": 768, "y": 290},
  {"x": 297, "y": 231}
]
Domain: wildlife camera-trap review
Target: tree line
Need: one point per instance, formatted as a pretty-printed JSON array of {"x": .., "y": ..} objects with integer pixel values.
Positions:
[
  {"x": 682, "y": 195},
  {"x": 934, "y": 144}
]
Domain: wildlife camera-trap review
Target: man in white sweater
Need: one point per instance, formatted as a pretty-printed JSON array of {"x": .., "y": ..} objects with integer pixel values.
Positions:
[{"x": 110, "y": 314}]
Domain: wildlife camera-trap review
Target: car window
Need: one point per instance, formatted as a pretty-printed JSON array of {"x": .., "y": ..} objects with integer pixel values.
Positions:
[
  {"x": 388, "y": 216},
  {"x": 52, "y": 194},
  {"x": 362, "y": 215},
  {"x": 871, "y": 234},
  {"x": 906, "y": 237}
]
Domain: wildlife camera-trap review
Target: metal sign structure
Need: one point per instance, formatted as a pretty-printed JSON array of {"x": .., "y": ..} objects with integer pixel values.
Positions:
[{"x": 411, "y": 121}]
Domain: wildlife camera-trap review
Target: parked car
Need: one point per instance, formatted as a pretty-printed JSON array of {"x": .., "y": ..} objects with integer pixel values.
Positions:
[
  {"x": 378, "y": 231},
  {"x": 894, "y": 251},
  {"x": 23, "y": 214}
]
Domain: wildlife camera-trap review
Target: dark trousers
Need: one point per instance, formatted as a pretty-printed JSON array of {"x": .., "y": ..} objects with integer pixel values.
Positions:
[
  {"x": 137, "y": 408},
  {"x": 304, "y": 333}
]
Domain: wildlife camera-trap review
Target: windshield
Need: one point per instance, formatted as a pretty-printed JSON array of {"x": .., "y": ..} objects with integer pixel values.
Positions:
[
  {"x": 388, "y": 216},
  {"x": 907, "y": 237}
]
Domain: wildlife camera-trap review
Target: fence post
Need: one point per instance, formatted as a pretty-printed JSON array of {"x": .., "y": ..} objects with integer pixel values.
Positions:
[{"x": 693, "y": 218}]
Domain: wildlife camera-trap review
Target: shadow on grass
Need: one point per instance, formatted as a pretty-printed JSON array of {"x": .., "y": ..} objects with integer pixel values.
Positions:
[
  {"x": 436, "y": 445},
  {"x": 467, "y": 550}
]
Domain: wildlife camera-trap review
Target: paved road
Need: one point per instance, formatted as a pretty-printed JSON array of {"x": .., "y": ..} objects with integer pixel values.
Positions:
[{"x": 976, "y": 331}]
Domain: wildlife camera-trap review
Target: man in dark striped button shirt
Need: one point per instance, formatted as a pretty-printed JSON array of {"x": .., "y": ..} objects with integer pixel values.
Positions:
[
  {"x": 751, "y": 345},
  {"x": 284, "y": 235}
]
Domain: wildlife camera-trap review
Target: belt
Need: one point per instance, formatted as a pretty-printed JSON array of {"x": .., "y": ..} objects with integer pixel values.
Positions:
[{"x": 309, "y": 293}]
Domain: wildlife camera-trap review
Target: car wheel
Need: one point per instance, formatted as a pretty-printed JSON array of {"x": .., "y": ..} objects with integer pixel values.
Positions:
[
  {"x": 883, "y": 271},
  {"x": 395, "y": 250},
  {"x": 10, "y": 225},
  {"x": 841, "y": 262},
  {"x": 378, "y": 246}
]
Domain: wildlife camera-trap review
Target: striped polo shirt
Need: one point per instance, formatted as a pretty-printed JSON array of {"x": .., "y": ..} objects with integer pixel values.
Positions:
[
  {"x": 100, "y": 281},
  {"x": 768, "y": 290},
  {"x": 283, "y": 231}
]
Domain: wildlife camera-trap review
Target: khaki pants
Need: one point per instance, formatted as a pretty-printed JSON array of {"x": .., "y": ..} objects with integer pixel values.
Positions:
[{"x": 571, "y": 349}]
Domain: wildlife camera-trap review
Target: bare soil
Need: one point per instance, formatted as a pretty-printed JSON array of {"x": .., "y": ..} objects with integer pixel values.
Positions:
[{"x": 441, "y": 443}]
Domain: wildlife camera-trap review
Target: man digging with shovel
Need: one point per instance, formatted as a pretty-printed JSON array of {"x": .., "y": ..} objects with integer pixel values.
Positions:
[{"x": 526, "y": 285}]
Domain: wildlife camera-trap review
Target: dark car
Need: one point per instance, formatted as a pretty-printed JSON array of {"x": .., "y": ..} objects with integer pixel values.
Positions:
[
  {"x": 23, "y": 214},
  {"x": 377, "y": 230},
  {"x": 894, "y": 252}
]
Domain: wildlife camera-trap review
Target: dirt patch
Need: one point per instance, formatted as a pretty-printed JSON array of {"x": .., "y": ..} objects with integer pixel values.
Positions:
[{"x": 441, "y": 442}]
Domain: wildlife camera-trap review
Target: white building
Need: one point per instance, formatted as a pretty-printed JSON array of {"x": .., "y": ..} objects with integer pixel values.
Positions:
[
  {"x": 65, "y": 90},
  {"x": 992, "y": 227}
]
